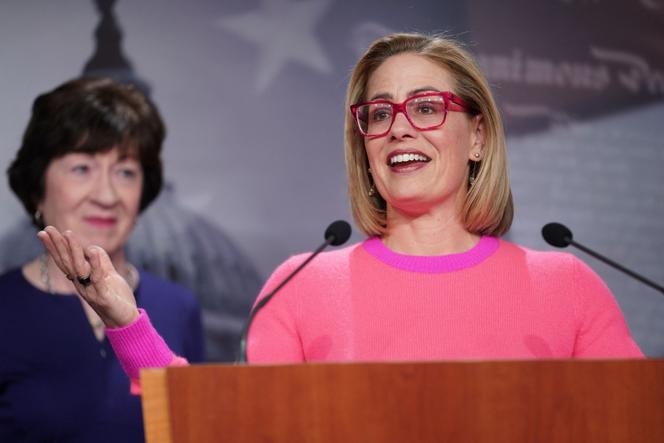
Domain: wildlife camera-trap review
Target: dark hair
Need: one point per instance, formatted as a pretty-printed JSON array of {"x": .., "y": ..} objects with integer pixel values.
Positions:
[{"x": 88, "y": 115}]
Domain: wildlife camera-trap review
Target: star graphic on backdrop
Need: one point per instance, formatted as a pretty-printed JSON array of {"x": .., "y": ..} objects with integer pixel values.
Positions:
[
  {"x": 651, "y": 4},
  {"x": 283, "y": 30}
]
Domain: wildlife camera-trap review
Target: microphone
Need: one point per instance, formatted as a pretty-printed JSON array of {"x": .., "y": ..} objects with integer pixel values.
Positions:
[
  {"x": 560, "y": 236},
  {"x": 336, "y": 234}
]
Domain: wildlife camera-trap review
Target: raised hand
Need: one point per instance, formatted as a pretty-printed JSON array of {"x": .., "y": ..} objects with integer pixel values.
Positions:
[{"x": 94, "y": 276}]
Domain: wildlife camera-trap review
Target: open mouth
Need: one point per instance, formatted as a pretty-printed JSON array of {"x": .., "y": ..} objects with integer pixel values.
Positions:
[{"x": 406, "y": 159}]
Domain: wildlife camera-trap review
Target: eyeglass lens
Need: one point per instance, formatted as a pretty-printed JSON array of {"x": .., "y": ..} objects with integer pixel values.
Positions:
[{"x": 423, "y": 113}]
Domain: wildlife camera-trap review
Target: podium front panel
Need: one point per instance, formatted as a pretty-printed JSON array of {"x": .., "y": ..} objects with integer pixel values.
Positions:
[{"x": 510, "y": 401}]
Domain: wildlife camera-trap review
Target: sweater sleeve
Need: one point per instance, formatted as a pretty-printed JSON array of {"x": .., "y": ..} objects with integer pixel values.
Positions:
[
  {"x": 138, "y": 346},
  {"x": 602, "y": 330},
  {"x": 274, "y": 336}
]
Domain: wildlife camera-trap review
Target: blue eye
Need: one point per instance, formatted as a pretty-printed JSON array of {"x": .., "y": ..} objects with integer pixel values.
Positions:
[{"x": 128, "y": 172}]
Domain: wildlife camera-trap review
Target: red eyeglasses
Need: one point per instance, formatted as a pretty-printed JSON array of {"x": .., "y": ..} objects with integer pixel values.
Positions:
[{"x": 424, "y": 112}]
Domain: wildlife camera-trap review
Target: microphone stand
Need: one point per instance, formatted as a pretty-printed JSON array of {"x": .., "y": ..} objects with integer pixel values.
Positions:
[
  {"x": 618, "y": 266},
  {"x": 559, "y": 235},
  {"x": 336, "y": 234}
]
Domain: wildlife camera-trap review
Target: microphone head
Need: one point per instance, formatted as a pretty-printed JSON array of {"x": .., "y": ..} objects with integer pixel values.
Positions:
[
  {"x": 337, "y": 233},
  {"x": 557, "y": 235}
]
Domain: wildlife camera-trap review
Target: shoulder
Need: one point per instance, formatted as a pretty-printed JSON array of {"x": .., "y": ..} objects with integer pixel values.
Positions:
[
  {"x": 12, "y": 283},
  {"x": 173, "y": 309},
  {"x": 541, "y": 261},
  {"x": 331, "y": 261},
  {"x": 561, "y": 271},
  {"x": 331, "y": 265},
  {"x": 11, "y": 277},
  {"x": 175, "y": 313}
]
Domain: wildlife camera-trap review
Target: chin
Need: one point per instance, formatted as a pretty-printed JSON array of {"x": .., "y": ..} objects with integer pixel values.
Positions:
[
  {"x": 409, "y": 205},
  {"x": 409, "y": 198}
]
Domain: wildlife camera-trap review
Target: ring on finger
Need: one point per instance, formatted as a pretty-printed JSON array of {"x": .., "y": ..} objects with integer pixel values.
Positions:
[{"x": 84, "y": 281}]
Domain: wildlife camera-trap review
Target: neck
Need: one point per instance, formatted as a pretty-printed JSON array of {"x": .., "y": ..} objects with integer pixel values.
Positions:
[{"x": 429, "y": 234}]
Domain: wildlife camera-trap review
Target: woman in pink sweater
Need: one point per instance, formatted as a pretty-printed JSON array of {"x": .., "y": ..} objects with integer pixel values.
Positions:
[{"x": 427, "y": 169}]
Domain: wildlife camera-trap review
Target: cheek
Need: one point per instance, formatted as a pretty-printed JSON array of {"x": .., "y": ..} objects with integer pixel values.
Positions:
[
  {"x": 132, "y": 199},
  {"x": 137, "y": 194},
  {"x": 59, "y": 198},
  {"x": 373, "y": 150},
  {"x": 452, "y": 145}
]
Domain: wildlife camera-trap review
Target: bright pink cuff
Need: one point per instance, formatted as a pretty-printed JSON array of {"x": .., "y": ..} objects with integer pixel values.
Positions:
[
  {"x": 139, "y": 345},
  {"x": 135, "y": 384}
]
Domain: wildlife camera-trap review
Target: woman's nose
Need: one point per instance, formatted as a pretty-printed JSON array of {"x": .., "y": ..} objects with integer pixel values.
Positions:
[
  {"x": 401, "y": 127},
  {"x": 104, "y": 191}
]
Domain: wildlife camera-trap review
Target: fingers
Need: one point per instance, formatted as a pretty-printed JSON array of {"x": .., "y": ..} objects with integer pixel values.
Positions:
[
  {"x": 116, "y": 304},
  {"x": 102, "y": 270},
  {"x": 57, "y": 248},
  {"x": 67, "y": 253},
  {"x": 102, "y": 260},
  {"x": 80, "y": 264},
  {"x": 94, "y": 256},
  {"x": 46, "y": 241},
  {"x": 107, "y": 292}
]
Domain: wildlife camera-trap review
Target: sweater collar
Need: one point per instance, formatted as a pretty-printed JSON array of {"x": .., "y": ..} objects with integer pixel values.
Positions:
[{"x": 432, "y": 264}]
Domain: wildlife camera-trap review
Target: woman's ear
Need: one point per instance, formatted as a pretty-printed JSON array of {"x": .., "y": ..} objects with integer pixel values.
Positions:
[{"x": 478, "y": 138}]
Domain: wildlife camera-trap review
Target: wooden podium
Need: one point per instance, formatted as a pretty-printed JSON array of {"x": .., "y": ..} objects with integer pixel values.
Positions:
[{"x": 506, "y": 401}]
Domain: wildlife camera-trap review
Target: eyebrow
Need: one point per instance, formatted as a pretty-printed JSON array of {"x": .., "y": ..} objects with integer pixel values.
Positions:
[{"x": 387, "y": 96}]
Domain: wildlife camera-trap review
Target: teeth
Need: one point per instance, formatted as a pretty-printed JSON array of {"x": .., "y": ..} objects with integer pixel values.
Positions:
[{"x": 402, "y": 158}]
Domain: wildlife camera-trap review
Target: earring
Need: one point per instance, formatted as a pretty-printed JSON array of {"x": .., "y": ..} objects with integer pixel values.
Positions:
[
  {"x": 37, "y": 217},
  {"x": 372, "y": 188},
  {"x": 476, "y": 155}
]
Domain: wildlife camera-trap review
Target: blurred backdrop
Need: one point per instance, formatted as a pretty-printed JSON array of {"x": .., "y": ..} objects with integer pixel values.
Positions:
[{"x": 252, "y": 93}]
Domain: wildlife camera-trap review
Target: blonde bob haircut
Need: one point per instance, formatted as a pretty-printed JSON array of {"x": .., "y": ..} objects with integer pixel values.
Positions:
[{"x": 487, "y": 208}]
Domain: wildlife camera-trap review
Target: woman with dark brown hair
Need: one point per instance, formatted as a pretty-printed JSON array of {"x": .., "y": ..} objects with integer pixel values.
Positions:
[{"x": 90, "y": 162}]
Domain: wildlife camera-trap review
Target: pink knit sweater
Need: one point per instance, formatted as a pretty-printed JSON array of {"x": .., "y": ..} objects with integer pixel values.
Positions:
[
  {"x": 366, "y": 303},
  {"x": 495, "y": 301}
]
